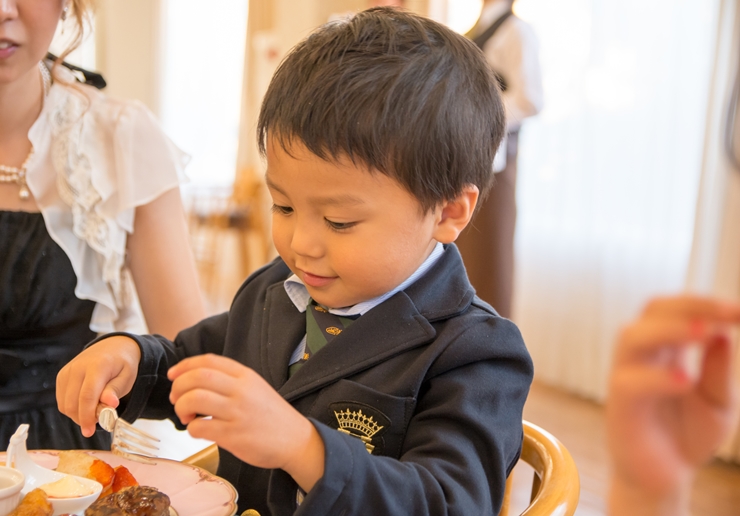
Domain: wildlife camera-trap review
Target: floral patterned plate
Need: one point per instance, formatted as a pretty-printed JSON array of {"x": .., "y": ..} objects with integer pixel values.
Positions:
[{"x": 192, "y": 490}]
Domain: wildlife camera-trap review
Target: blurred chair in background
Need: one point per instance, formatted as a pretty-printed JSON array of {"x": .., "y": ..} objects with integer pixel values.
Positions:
[{"x": 229, "y": 234}]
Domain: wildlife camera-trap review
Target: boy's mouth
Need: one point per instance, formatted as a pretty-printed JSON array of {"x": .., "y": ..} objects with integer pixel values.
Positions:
[{"x": 313, "y": 280}]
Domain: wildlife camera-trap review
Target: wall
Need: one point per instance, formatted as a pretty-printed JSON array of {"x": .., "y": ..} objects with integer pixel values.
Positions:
[{"x": 127, "y": 39}]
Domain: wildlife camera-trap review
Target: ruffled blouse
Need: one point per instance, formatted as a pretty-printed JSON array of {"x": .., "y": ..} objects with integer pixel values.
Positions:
[{"x": 95, "y": 160}]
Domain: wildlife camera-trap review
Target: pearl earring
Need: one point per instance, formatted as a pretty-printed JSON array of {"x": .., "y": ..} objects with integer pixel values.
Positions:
[{"x": 64, "y": 17}]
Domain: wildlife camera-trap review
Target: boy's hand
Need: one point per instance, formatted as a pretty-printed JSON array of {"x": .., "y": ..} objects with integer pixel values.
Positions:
[
  {"x": 662, "y": 422},
  {"x": 103, "y": 373},
  {"x": 248, "y": 417}
]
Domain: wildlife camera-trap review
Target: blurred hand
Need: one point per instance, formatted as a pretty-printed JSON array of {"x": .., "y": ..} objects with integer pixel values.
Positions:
[
  {"x": 103, "y": 373},
  {"x": 663, "y": 421}
]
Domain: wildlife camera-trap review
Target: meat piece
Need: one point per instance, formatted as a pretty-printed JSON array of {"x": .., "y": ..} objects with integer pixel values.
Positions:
[{"x": 132, "y": 501}]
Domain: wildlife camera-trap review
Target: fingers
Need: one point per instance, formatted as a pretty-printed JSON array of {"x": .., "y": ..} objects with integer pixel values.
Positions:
[
  {"x": 716, "y": 383},
  {"x": 647, "y": 334},
  {"x": 197, "y": 403},
  {"x": 640, "y": 381},
  {"x": 206, "y": 428},
  {"x": 667, "y": 329},
  {"x": 209, "y": 385},
  {"x": 692, "y": 306},
  {"x": 212, "y": 379},
  {"x": 208, "y": 361},
  {"x": 678, "y": 344},
  {"x": 102, "y": 373}
]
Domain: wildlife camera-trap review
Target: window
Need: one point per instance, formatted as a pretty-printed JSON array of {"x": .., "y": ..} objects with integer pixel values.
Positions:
[{"x": 201, "y": 84}]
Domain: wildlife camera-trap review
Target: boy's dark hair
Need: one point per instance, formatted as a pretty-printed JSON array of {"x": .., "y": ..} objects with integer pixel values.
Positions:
[{"x": 396, "y": 92}]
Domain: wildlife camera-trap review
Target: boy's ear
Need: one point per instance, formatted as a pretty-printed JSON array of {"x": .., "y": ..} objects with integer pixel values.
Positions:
[{"x": 454, "y": 215}]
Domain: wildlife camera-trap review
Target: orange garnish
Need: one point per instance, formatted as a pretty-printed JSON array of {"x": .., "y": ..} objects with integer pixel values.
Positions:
[{"x": 123, "y": 478}]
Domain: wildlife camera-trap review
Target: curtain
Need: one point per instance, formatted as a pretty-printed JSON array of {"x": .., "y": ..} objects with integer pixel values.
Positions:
[
  {"x": 715, "y": 258},
  {"x": 608, "y": 174}
]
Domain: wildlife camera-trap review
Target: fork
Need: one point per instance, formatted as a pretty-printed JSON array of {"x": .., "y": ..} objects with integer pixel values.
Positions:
[{"x": 128, "y": 441}]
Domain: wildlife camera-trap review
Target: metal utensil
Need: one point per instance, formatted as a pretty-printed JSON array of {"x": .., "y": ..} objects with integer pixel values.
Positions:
[{"x": 128, "y": 441}]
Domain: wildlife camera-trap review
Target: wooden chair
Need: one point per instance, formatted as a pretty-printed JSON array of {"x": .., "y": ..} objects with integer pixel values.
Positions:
[
  {"x": 555, "y": 488},
  {"x": 207, "y": 458},
  {"x": 216, "y": 214}
]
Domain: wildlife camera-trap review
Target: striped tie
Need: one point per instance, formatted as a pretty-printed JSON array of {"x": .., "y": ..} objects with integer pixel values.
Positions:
[{"x": 321, "y": 328}]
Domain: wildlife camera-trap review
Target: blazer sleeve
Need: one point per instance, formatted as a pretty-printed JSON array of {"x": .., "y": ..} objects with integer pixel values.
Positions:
[
  {"x": 149, "y": 396},
  {"x": 462, "y": 441}
]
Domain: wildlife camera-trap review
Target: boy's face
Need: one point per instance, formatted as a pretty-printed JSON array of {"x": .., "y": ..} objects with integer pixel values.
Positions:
[{"x": 349, "y": 234}]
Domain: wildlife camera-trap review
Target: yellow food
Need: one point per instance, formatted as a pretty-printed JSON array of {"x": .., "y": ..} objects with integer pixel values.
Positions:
[
  {"x": 67, "y": 487},
  {"x": 35, "y": 503},
  {"x": 79, "y": 463}
]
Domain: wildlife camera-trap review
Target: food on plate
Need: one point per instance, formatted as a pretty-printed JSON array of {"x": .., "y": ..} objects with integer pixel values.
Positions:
[
  {"x": 35, "y": 503},
  {"x": 122, "y": 478},
  {"x": 132, "y": 501},
  {"x": 67, "y": 487},
  {"x": 75, "y": 462}
]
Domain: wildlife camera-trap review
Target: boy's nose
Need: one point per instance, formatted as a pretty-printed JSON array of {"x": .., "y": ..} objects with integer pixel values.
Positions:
[{"x": 306, "y": 242}]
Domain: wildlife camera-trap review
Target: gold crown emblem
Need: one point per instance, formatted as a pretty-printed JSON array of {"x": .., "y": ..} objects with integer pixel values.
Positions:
[
  {"x": 320, "y": 309},
  {"x": 333, "y": 330},
  {"x": 358, "y": 425},
  {"x": 361, "y": 423}
]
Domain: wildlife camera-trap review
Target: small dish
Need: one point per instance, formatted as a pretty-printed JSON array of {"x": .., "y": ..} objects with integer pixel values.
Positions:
[
  {"x": 37, "y": 476},
  {"x": 11, "y": 483}
]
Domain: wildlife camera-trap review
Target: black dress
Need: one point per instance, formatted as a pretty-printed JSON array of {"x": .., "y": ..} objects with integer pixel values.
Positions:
[{"x": 42, "y": 327}]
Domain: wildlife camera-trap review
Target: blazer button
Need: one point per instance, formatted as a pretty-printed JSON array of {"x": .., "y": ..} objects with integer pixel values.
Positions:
[{"x": 250, "y": 512}]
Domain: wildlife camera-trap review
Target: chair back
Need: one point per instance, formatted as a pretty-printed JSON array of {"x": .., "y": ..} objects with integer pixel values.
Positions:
[
  {"x": 556, "y": 486},
  {"x": 207, "y": 458}
]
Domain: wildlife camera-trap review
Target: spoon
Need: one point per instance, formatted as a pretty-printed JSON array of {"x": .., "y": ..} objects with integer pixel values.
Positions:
[{"x": 36, "y": 476}]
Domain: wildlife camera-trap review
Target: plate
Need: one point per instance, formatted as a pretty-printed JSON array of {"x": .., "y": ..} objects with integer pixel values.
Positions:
[{"x": 192, "y": 490}]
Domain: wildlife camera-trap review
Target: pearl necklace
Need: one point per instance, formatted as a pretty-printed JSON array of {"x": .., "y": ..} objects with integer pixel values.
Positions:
[{"x": 17, "y": 175}]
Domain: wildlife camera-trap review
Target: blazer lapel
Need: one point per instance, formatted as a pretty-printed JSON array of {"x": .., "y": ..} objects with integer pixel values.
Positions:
[
  {"x": 388, "y": 329},
  {"x": 396, "y": 325}
]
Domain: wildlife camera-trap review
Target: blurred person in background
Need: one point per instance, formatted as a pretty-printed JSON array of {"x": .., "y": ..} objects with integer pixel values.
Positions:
[
  {"x": 487, "y": 245},
  {"x": 89, "y": 203},
  {"x": 666, "y": 417}
]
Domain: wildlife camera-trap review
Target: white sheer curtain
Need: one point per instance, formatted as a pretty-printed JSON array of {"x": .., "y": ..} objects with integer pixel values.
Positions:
[
  {"x": 608, "y": 173},
  {"x": 715, "y": 258}
]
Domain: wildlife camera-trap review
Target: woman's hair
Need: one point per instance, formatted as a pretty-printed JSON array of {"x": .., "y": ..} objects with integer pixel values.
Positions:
[{"x": 80, "y": 13}]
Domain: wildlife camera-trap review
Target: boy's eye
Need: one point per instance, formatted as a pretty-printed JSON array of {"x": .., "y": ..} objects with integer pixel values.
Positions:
[
  {"x": 339, "y": 226},
  {"x": 283, "y": 210}
]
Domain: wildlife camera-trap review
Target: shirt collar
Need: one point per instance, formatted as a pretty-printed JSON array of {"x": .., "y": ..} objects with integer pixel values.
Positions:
[{"x": 298, "y": 293}]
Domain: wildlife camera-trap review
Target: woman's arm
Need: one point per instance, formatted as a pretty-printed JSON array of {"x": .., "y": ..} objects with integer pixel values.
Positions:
[{"x": 163, "y": 267}]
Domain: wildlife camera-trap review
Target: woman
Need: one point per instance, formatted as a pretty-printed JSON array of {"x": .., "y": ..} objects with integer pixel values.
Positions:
[{"x": 89, "y": 202}]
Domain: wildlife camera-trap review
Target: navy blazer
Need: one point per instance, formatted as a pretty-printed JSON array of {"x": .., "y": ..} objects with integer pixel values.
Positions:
[{"x": 432, "y": 382}]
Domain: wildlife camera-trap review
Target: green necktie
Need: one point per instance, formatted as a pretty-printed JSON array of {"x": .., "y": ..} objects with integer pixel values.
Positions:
[{"x": 321, "y": 327}]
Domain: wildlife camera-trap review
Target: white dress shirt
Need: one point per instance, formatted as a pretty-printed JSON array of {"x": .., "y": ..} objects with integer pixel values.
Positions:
[
  {"x": 513, "y": 53},
  {"x": 298, "y": 293}
]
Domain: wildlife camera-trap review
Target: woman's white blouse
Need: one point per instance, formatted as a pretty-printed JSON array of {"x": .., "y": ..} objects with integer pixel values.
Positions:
[{"x": 95, "y": 160}]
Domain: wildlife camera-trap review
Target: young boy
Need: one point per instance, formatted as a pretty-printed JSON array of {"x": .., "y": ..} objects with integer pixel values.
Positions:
[{"x": 379, "y": 134}]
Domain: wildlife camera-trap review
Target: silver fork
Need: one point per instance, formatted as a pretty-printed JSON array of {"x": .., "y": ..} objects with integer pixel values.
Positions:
[{"x": 128, "y": 441}]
